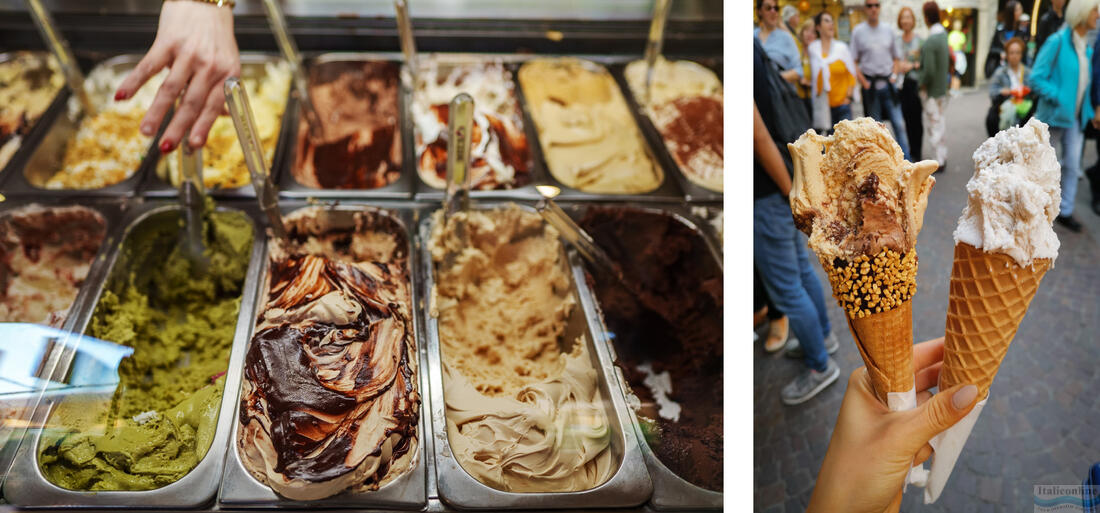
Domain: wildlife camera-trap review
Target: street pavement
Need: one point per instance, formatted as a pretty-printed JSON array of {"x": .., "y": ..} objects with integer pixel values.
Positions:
[{"x": 1042, "y": 423}]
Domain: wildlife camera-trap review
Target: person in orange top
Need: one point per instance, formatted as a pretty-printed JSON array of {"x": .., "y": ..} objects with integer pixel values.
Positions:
[{"x": 834, "y": 72}]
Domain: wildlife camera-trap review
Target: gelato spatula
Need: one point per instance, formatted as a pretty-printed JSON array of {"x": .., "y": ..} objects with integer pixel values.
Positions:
[
  {"x": 654, "y": 43},
  {"x": 277, "y": 20},
  {"x": 241, "y": 111},
  {"x": 60, "y": 48},
  {"x": 192, "y": 200},
  {"x": 457, "y": 199},
  {"x": 408, "y": 45}
]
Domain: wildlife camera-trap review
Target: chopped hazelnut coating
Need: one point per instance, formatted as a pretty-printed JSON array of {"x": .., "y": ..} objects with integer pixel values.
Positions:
[{"x": 870, "y": 285}]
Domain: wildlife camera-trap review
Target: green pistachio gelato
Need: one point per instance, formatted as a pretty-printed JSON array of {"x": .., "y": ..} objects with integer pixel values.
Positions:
[{"x": 162, "y": 417}]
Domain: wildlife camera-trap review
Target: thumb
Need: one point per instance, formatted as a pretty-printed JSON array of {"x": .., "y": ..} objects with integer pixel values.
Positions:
[{"x": 942, "y": 411}]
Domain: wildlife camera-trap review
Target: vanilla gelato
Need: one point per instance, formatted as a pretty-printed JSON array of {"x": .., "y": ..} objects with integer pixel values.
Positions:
[{"x": 1014, "y": 195}]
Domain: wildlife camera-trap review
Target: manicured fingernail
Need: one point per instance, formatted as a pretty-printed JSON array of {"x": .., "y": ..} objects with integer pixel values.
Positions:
[
  {"x": 146, "y": 129},
  {"x": 119, "y": 95},
  {"x": 166, "y": 146},
  {"x": 964, "y": 397}
]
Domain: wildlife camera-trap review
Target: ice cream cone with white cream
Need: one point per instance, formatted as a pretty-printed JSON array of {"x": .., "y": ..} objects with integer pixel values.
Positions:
[
  {"x": 1004, "y": 244},
  {"x": 862, "y": 205}
]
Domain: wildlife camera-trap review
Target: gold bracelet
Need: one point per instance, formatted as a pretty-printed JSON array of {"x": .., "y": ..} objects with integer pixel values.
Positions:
[{"x": 220, "y": 3}]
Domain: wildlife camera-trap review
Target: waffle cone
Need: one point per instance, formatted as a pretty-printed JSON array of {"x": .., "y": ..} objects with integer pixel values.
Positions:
[
  {"x": 885, "y": 341},
  {"x": 988, "y": 298}
]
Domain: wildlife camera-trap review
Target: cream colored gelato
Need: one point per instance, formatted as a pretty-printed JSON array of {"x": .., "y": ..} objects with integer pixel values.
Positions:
[
  {"x": 28, "y": 84},
  {"x": 108, "y": 147},
  {"x": 686, "y": 108},
  {"x": 223, "y": 161},
  {"x": 524, "y": 413},
  {"x": 588, "y": 136},
  {"x": 855, "y": 194},
  {"x": 1014, "y": 195}
]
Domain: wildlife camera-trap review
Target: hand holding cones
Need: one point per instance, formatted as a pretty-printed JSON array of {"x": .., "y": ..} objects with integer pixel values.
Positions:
[
  {"x": 862, "y": 205},
  {"x": 1004, "y": 245}
]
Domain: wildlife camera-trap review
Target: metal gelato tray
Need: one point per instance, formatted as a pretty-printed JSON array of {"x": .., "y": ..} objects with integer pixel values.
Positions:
[
  {"x": 408, "y": 491},
  {"x": 401, "y": 188},
  {"x": 670, "y": 491},
  {"x": 693, "y": 193},
  {"x": 536, "y": 167},
  {"x": 30, "y": 177},
  {"x": 112, "y": 211},
  {"x": 36, "y": 128},
  {"x": 252, "y": 65},
  {"x": 628, "y": 486},
  {"x": 28, "y": 487},
  {"x": 668, "y": 191}
]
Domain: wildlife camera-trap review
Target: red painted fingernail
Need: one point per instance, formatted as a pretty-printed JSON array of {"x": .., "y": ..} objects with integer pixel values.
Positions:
[
  {"x": 119, "y": 95},
  {"x": 166, "y": 146}
]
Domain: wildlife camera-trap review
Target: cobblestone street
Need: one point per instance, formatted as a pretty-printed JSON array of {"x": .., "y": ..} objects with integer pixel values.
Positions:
[{"x": 1042, "y": 423}]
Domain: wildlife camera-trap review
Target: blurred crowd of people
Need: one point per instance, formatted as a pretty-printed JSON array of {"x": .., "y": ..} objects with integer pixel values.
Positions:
[{"x": 804, "y": 77}]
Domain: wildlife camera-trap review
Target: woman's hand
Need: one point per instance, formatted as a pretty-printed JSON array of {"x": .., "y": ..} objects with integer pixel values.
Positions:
[
  {"x": 872, "y": 448},
  {"x": 195, "y": 41},
  {"x": 1005, "y": 91}
]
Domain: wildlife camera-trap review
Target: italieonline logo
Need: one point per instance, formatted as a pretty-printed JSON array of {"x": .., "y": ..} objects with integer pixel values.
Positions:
[{"x": 1067, "y": 499}]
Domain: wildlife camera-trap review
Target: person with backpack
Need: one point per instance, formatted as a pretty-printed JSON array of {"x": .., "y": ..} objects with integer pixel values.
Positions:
[
  {"x": 779, "y": 249},
  {"x": 1061, "y": 79}
]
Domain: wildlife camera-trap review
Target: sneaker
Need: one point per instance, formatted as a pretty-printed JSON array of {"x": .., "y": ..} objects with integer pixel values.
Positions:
[
  {"x": 794, "y": 348},
  {"x": 778, "y": 334},
  {"x": 809, "y": 383},
  {"x": 1069, "y": 222}
]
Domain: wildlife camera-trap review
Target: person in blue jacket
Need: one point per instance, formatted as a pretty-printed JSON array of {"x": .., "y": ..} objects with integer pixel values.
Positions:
[{"x": 1061, "y": 78}]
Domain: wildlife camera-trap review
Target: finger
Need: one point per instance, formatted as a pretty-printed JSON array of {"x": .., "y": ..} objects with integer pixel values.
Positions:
[
  {"x": 923, "y": 396},
  {"x": 928, "y": 377},
  {"x": 923, "y": 454},
  {"x": 154, "y": 60},
  {"x": 169, "y": 91},
  {"x": 940, "y": 412},
  {"x": 928, "y": 352},
  {"x": 194, "y": 99},
  {"x": 215, "y": 102}
]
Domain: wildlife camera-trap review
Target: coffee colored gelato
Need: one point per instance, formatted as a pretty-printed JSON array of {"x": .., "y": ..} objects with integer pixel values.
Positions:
[
  {"x": 180, "y": 321},
  {"x": 588, "y": 136},
  {"x": 667, "y": 334},
  {"x": 524, "y": 411},
  {"x": 45, "y": 255},
  {"x": 357, "y": 102},
  {"x": 499, "y": 156},
  {"x": 329, "y": 401},
  {"x": 854, "y": 193},
  {"x": 686, "y": 108}
]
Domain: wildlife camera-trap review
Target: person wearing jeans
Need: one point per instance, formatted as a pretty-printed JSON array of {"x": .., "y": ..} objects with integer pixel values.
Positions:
[
  {"x": 1061, "y": 80},
  {"x": 877, "y": 55}
]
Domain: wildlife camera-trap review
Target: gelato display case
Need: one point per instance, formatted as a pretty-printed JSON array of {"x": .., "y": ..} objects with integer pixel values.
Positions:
[{"x": 378, "y": 358}]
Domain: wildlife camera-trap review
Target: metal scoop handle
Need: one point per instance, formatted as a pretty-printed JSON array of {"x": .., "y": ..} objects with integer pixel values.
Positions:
[
  {"x": 408, "y": 44},
  {"x": 60, "y": 48},
  {"x": 459, "y": 124},
  {"x": 577, "y": 237},
  {"x": 277, "y": 20},
  {"x": 241, "y": 111},
  {"x": 655, "y": 42}
]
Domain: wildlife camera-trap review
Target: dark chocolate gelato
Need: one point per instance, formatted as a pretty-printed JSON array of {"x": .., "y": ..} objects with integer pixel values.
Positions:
[{"x": 667, "y": 334}]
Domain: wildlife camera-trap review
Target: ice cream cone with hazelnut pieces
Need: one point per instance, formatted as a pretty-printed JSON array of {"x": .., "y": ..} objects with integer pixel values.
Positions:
[
  {"x": 1004, "y": 244},
  {"x": 862, "y": 205}
]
